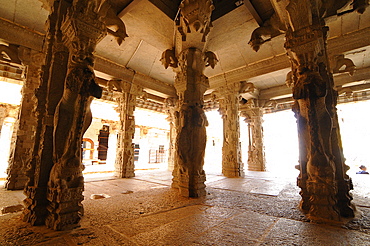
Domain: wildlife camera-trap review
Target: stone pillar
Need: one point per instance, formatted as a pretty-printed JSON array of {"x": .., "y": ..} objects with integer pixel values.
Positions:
[
  {"x": 24, "y": 144},
  {"x": 323, "y": 181},
  {"x": 127, "y": 93},
  {"x": 189, "y": 61},
  {"x": 229, "y": 97},
  {"x": 172, "y": 112},
  {"x": 256, "y": 152},
  {"x": 190, "y": 85},
  {"x": 82, "y": 30},
  {"x": 48, "y": 95}
]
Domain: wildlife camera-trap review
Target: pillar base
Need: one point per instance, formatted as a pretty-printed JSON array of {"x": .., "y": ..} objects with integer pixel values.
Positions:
[
  {"x": 35, "y": 205},
  {"x": 126, "y": 174},
  {"x": 65, "y": 209},
  {"x": 16, "y": 182},
  {"x": 233, "y": 172},
  {"x": 192, "y": 185}
]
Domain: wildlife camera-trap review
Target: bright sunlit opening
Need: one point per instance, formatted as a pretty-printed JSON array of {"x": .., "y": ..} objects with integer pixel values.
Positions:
[{"x": 10, "y": 93}]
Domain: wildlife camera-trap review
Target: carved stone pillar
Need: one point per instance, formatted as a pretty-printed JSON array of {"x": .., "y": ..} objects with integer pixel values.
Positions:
[
  {"x": 24, "y": 144},
  {"x": 323, "y": 182},
  {"x": 172, "y": 112},
  {"x": 189, "y": 62},
  {"x": 190, "y": 85},
  {"x": 256, "y": 153},
  {"x": 82, "y": 30},
  {"x": 47, "y": 95},
  {"x": 229, "y": 97},
  {"x": 124, "y": 165}
]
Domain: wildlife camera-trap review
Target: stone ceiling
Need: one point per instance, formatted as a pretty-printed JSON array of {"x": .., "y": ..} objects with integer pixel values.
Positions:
[{"x": 150, "y": 27}]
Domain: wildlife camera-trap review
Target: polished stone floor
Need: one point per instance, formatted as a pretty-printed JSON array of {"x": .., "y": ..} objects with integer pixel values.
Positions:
[{"x": 260, "y": 209}]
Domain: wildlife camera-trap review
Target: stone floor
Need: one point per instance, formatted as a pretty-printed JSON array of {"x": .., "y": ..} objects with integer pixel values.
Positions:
[{"x": 260, "y": 209}]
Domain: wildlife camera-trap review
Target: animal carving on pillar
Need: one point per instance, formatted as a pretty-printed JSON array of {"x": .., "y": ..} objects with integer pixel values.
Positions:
[
  {"x": 73, "y": 116},
  {"x": 111, "y": 20},
  {"x": 196, "y": 17},
  {"x": 270, "y": 28},
  {"x": 169, "y": 58},
  {"x": 340, "y": 61}
]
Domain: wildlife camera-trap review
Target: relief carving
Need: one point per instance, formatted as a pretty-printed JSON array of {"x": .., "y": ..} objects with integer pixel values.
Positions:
[
  {"x": 324, "y": 190},
  {"x": 73, "y": 116},
  {"x": 188, "y": 62},
  {"x": 115, "y": 25},
  {"x": 195, "y": 17},
  {"x": 126, "y": 93},
  {"x": 22, "y": 153},
  {"x": 229, "y": 100},
  {"x": 270, "y": 28},
  {"x": 340, "y": 61}
]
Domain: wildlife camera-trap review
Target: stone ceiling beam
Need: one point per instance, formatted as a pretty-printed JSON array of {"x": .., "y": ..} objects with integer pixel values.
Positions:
[
  {"x": 339, "y": 80},
  {"x": 253, "y": 12},
  {"x": 20, "y": 35},
  {"x": 336, "y": 45}
]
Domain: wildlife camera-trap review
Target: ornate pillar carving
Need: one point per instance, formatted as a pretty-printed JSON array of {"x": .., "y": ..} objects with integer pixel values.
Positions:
[
  {"x": 47, "y": 95},
  {"x": 126, "y": 93},
  {"x": 189, "y": 61},
  {"x": 256, "y": 152},
  {"x": 82, "y": 30},
  {"x": 323, "y": 180},
  {"x": 172, "y": 112},
  {"x": 190, "y": 85},
  {"x": 229, "y": 98},
  {"x": 24, "y": 144}
]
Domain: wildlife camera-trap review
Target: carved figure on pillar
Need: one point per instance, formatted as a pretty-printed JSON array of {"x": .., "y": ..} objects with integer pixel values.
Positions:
[
  {"x": 189, "y": 61},
  {"x": 22, "y": 153},
  {"x": 82, "y": 30},
  {"x": 191, "y": 84},
  {"x": 171, "y": 107},
  {"x": 256, "y": 153},
  {"x": 321, "y": 162},
  {"x": 229, "y": 98},
  {"x": 126, "y": 93}
]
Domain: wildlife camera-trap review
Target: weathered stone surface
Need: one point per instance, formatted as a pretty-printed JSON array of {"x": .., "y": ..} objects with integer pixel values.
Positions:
[
  {"x": 189, "y": 61},
  {"x": 12, "y": 209},
  {"x": 126, "y": 94},
  {"x": 321, "y": 159},
  {"x": 82, "y": 30},
  {"x": 256, "y": 152},
  {"x": 229, "y": 99},
  {"x": 22, "y": 153}
]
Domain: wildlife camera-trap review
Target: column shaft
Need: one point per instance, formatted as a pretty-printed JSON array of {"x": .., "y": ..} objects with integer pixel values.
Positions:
[
  {"x": 124, "y": 164},
  {"x": 232, "y": 165},
  {"x": 24, "y": 144},
  {"x": 256, "y": 152}
]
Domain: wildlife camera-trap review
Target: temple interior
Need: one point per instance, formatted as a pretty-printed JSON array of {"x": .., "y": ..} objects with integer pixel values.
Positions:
[{"x": 184, "y": 122}]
